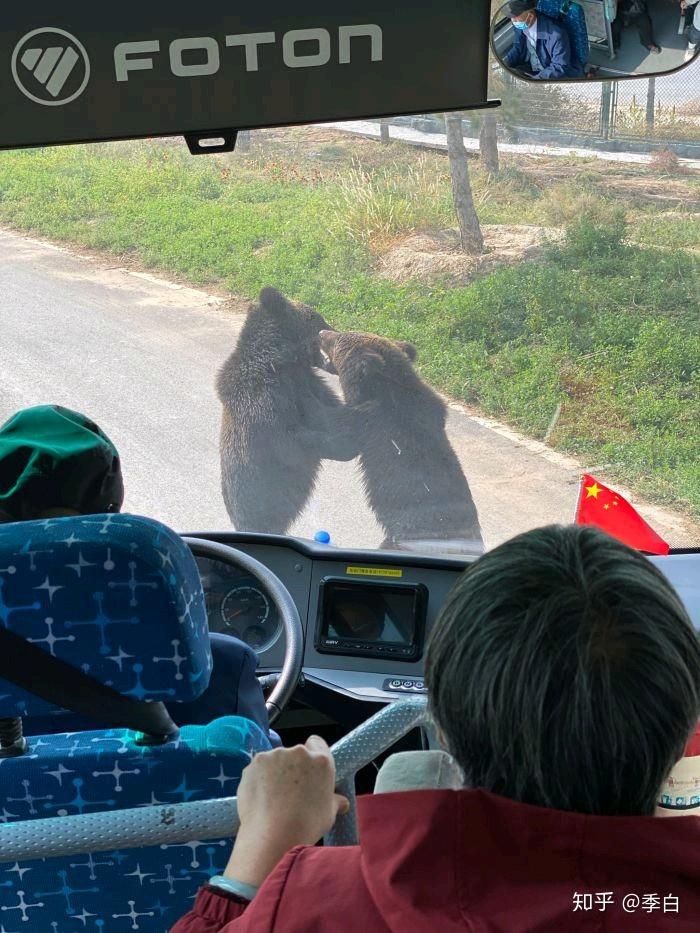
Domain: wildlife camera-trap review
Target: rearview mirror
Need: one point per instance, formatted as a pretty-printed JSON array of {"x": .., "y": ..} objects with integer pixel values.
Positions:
[{"x": 594, "y": 40}]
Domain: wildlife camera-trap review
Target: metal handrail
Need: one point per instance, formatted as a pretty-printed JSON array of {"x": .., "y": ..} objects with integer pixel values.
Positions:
[{"x": 208, "y": 819}]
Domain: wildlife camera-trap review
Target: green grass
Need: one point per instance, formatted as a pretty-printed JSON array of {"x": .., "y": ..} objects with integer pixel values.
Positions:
[
  {"x": 607, "y": 328},
  {"x": 673, "y": 229}
]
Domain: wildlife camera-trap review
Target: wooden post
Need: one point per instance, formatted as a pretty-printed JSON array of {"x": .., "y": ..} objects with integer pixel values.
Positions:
[
  {"x": 469, "y": 228},
  {"x": 488, "y": 143}
]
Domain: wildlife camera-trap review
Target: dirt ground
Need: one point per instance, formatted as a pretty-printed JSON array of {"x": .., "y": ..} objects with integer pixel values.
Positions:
[{"x": 431, "y": 256}]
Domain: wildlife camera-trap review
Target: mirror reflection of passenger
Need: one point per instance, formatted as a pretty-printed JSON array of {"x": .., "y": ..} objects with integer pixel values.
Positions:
[
  {"x": 541, "y": 49},
  {"x": 351, "y": 618},
  {"x": 693, "y": 28},
  {"x": 634, "y": 13}
]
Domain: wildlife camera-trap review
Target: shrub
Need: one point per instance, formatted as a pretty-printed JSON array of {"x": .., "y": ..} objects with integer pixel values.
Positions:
[
  {"x": 665, "y": 160},
  {"x": 595, "y": 226},
  {"x": 374, "y": 207}
]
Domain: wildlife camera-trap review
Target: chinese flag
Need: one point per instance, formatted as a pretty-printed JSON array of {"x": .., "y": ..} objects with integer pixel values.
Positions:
[
  {"x": 693, "y": 748},
  {"x": 598, "y": 505}
]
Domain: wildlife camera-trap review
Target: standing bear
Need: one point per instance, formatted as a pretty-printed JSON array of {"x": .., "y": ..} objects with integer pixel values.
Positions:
[
  {"x": 412, "y": 477},
  {"x": 280, "y": 417}
]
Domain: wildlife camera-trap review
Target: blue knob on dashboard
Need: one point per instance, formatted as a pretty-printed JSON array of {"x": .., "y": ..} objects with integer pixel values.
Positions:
[{"x": 322, "y": 537}]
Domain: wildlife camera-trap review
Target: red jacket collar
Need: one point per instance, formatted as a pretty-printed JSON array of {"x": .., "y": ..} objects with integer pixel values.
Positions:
[{"x": 488, "y": 856}]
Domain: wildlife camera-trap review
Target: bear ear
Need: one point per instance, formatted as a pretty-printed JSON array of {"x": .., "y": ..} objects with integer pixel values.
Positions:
[
  {"x": 408, "y": 348},
  {"x": 273, "y": 300}
]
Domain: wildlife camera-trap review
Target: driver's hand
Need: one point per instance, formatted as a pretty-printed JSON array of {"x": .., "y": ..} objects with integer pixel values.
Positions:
[{"x": 286, "y": 798}]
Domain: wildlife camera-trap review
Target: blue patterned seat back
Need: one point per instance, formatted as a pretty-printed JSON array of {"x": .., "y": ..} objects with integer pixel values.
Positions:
[
  {"x": 114, "y": 595},
  {"x": 134, "y": 889},
  {"x": 119, "y": 597},
  {"x": 571, "y": 16}
]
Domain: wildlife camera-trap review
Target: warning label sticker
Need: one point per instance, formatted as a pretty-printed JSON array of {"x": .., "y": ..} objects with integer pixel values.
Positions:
[{"x": 374, "y": 571}]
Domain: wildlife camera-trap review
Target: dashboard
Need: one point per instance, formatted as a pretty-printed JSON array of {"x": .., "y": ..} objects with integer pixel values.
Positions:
[
  {"x": 378, "y": 609},
  {"x": 366, "y": 615}
]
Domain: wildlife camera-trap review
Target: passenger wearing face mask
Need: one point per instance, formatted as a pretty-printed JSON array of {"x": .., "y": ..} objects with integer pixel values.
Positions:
[{"x": 541, "y": 48}]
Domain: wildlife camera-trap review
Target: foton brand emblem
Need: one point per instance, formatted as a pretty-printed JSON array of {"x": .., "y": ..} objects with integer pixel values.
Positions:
[
  {"x": 50, "y": 66},
  {"x": 201, "y": 56}
]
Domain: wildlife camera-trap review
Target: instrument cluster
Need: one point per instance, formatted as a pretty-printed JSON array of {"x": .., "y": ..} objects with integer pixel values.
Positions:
[{"x": 237, "y": 605}]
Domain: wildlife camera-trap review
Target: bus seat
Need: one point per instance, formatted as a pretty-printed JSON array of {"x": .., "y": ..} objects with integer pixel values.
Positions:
[
  {"x": 120, "y": 598},
  {"x": 573, "y": 19}
]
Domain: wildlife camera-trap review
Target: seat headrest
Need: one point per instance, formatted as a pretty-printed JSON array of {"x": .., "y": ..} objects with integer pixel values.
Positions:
[
  {"x": 431, "y": 769},
  {"x": 116, "y": 596}
]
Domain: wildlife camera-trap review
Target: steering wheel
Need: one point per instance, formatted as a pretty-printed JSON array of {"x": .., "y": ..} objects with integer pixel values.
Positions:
[{"x": 283, "y": 602}]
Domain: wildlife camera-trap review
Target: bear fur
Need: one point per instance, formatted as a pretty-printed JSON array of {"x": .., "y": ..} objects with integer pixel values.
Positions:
[
  {"x": 280, "y": 417},
  {"x": 413, "y": 479}
]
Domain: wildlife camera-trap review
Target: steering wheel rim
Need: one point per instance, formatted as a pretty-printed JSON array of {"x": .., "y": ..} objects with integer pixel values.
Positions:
[{"x": 285, "y": 605}]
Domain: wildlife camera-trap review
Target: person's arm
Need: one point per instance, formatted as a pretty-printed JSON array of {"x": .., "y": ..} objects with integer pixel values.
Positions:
[
  {"x": 515, "y": 56},
  {"x": 286, "y": 799},
  {"x": 213, "y": 912},
  {"x": 233, "y": 689},
  {"x": 218, "y": 911},
  {"x": 560, "y": 58}
]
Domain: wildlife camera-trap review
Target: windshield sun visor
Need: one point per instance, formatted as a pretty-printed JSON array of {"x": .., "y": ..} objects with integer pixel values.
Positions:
[{"x": 85, "y": 75}]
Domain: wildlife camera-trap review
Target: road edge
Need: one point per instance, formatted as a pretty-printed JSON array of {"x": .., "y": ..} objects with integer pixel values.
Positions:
[{"x": 235, "y": 305}]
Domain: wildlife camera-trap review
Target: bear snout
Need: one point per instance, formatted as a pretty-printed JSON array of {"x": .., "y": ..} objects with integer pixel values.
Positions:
[{"x": 328, "y": 340}]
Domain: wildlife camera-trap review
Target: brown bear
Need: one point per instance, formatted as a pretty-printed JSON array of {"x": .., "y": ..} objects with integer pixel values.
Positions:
[
  {"x": 413, "y": 479},
  {"x": 280, "y": 417}
]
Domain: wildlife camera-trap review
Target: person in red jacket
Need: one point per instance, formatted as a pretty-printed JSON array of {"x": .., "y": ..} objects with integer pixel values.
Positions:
[{"x": 564, "y": 677}]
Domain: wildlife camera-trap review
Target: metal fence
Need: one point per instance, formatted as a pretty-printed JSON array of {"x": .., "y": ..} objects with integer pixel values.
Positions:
[{"x": 638, "y": 115}]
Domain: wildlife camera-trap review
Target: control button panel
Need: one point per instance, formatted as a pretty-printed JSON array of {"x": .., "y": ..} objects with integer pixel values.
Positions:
[{"x": 404, "y": 685}]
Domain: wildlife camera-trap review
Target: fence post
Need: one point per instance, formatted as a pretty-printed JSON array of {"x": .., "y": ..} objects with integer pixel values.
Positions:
[
  {"x": 651, "y": 100},
  {"x": 606, "y": 99}
]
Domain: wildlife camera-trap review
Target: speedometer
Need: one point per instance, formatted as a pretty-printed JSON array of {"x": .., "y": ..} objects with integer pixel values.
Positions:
[
  {"x": 246, "y": 613},
  {"x": 244, "y": 606}
]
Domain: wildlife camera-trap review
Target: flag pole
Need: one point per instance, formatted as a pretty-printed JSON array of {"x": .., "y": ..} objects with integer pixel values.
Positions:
[{"x": 579, "y": 498}]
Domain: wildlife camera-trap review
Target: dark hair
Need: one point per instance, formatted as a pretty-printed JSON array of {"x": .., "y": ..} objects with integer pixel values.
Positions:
[{"x": 564, "y": 672}]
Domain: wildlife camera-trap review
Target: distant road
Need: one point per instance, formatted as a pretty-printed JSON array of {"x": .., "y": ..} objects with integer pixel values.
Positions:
[
  {"x": 413, "y": 137},
  {"x": 139, "y": 355}
]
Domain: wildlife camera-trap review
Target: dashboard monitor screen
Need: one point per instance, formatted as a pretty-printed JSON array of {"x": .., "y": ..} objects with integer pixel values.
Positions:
[{"x": 383, "y": 620}]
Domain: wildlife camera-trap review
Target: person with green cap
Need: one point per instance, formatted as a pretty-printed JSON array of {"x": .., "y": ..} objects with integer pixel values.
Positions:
[{"x": 55, "y": 463}]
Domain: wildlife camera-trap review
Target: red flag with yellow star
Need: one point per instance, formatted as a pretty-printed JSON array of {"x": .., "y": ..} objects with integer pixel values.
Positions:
[{"x": 598, "y": 505}]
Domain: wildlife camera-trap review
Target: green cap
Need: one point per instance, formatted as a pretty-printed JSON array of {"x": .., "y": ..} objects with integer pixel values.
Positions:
[{"x": 55, "y": 458}]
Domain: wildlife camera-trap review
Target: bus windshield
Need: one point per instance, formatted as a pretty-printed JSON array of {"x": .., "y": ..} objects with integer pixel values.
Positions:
[{"x": 414, "y": 333}]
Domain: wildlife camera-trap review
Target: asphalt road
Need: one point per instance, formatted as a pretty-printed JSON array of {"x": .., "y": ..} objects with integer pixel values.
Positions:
[{"x": 139, "y": 355}]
